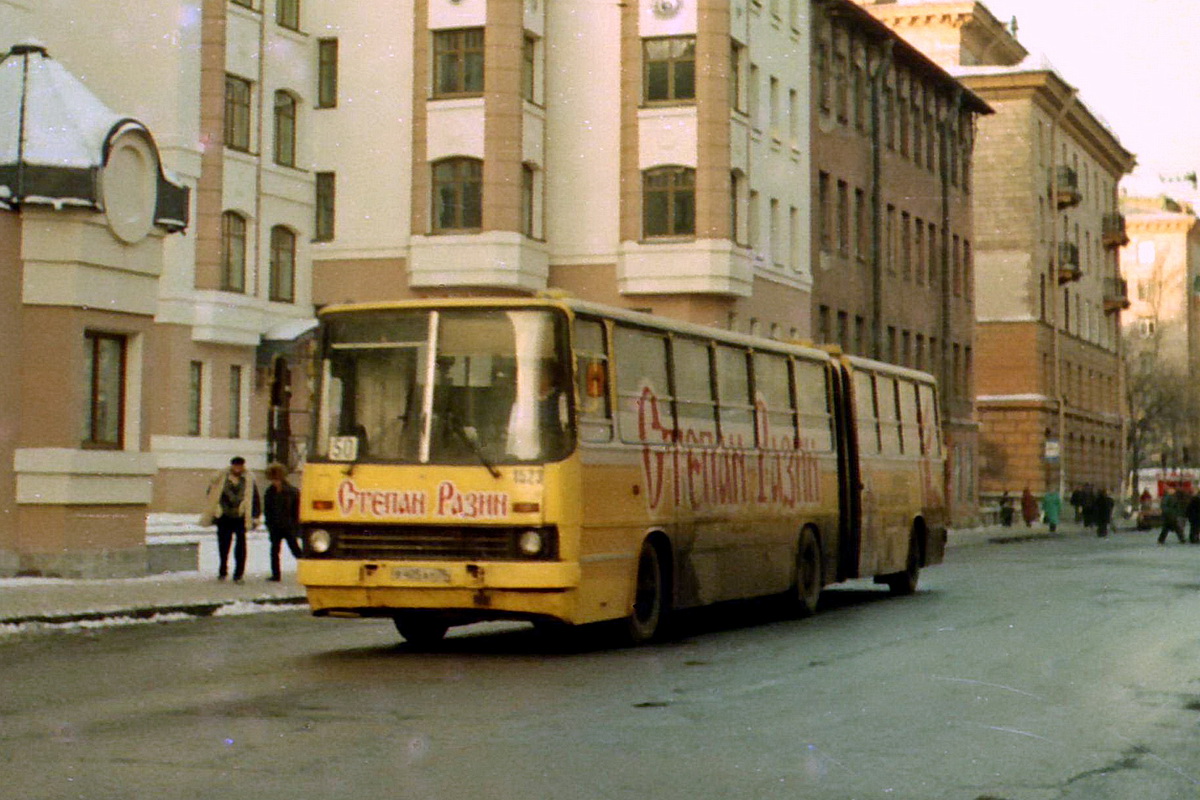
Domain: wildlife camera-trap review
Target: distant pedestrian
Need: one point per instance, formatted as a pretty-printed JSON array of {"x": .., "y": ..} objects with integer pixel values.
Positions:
[
  {"x": 1102, "y": 510},
  {"x": 1006, "y": 509},
  {"x": 233, "y": 506},
  {"x": 1077, "y": 502},
  {"x": 1088, "y": 496},
  {"x": 1172, "y": 508},
  {"x": 1193, "y": 517},
  {"x": 1051, "y": 508},
  {"x": 1029, "y": 509},
  {"x": 281, "y": 512}
]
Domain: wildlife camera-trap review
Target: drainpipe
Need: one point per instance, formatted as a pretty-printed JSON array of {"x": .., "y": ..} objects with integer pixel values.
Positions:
[
  {"x": 878, "y": 76},
  {"x": 1058, "y": 317},
  {"x": 949, "y": 139}
]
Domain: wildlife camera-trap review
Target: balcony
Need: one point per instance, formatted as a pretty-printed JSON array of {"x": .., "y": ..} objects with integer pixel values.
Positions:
[
  {"x": 1112, "y": 231},
  {"x": 1116, "y": 295},
  {"x": 1068, "y": 262},
  {"x": 1067, "y": 191}
]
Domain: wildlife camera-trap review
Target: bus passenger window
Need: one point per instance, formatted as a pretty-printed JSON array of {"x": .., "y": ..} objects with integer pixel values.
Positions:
[
  {"x": 695, "y": 404},
  {"x": 889, "y": 425},
  {"x": 733, "y": 393},
  {"x": 644, "y": 412},
  {"x": 773, "y": 402},
  {"x": 812, "y": 400},
  {"x": 910, "y": 435},
  {"x": 867, "y": 413}
]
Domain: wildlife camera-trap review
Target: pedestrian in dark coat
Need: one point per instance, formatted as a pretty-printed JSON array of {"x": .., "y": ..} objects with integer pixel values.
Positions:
[
  {"x": 1172, "y": 507},
  {"x": 1193, "y": 517},
  {"x": 1102, "y": 509},
  {"x": 1029, "y": 507},
  {"x": 1077, "y": 502},
  {"x": 1088, "y": 495},
  {"x": 232, "y": 505},
  {"x": 281, "y": 511}
]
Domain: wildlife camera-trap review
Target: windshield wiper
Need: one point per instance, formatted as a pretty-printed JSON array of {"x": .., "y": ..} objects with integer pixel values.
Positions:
[{"x": 460, "y": 430}]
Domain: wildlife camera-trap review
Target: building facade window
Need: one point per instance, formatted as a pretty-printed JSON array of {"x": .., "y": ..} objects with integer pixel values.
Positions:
[
  {"x": 670, "y": 69},
  {"x": 669, "y": 201},
  {"x": 233, "y": 252},
  {"x": 528, "y": 201},
  {"x": 458, "y": 62},
  {"x": 737, "y": 54},
  {"x": 283, "y": 265},
  {"x": 824, "y": 227},
  {"x": 195, "y": 406},
  {"x": 285, "y": 129},
  {"x": 327, "y": 73},
  {"x": 325, "y": 206},
  {"x": 287, "y": 14},
  {"x": 237, "y": 113},
  {"x": 529, "y": 69},
  {"x": 457, "y": 194},
  {"x": 104, "y": 381},
  {"x": 235, "y": 401},
  {"x": 843, "y": 218}
]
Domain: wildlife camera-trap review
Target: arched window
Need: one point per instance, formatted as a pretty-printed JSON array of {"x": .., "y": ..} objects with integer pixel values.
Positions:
[
  {"x": 669, "y": 201},
  {"x": 233, "y": 252},
  {"x": 283, "y": 265},
  {"x": 285, "y": 129},
  {"x": 457, "y": 194}
]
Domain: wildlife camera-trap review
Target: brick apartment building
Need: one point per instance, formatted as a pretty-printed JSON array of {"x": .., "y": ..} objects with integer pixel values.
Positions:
[
  {"x": 1047, "y": 228},
  {"x": 892, "y": 250}
]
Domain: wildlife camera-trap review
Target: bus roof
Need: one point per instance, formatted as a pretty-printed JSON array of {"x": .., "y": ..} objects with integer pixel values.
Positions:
[{"x": 641, "y": 318}]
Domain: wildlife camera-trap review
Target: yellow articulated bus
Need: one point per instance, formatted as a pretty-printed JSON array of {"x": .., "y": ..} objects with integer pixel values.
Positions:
[{"x": 560, "y": 461}]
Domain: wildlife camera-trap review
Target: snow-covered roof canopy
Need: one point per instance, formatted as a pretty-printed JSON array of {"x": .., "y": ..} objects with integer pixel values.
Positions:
[{"x": 56, "y": 138}]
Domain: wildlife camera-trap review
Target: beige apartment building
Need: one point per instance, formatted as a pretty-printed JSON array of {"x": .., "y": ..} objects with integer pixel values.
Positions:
[
  {"x": 892, "y": 250},
  {"x": 1161, "y": 266},
  {"x": 1047, "y": 228}
]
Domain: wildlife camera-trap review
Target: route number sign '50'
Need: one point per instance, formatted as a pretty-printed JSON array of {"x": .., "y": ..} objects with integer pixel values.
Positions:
[{"x": 343, "y": 448}]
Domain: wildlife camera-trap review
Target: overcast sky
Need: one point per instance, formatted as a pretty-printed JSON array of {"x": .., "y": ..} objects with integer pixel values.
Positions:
[{"x": 1136, "y": 63}]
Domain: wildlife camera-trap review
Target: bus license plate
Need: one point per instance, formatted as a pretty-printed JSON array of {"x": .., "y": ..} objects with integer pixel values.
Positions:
[{"x": 421, "y": 574}]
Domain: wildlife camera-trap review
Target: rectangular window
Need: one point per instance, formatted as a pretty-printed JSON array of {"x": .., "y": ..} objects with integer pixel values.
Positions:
[
  {"x": 773, "y": 98},
  {"x": 237, "y": 113},
  {"x": 244, "y": 3},
  {"x": 669, "y": 202},
  {"x": 527, "y": 200},
  {"x": 529, "y": 69},
  {"x": 824, "y": 234},
  {"x": 104, "y": 377},
  {"x": 919, "y": 251},
  {"x": 889, "y": 253},
  {"x": 235, "y": 401},
  {"x": 326, "y": 189},
  {"x": 905, "y": 246},
  {"x": 793, "y": 118},
  {"x": 458, "y": 62},
  {"x": 772, "y": 389},
  {"x": 794, "y": 237},
  {"x": 843, "y": 218},
  {"x": 287, "y": 14},
  {"x": 822, "y": 69},
  {"x": 736, "y": 55},
  {"x": 841, "y": 93},
  {"x": 867, "y": 411},
  {"x": 641, "y": 362},
  {"x": 327, "y": 73},
  {"x": 733, "y": 393},
  {"x": 195, "y": 405},
  {"x": 812, "y": 403},
  {"x": 591, "y": 367},
  {"x": 695, "y": 403},
  {"x": 775, "y": 246},
  {"x": 956, "y": 267},
  {"x": 670, "y": 69},
  {"x": 861, "y": 241}
]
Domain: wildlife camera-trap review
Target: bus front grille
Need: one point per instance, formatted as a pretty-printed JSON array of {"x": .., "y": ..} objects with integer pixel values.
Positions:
[{"x": 431, "y": 543}]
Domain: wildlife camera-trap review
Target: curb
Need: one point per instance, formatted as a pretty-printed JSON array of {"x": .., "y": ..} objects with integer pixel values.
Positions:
[{"x": 198, "y": 610}]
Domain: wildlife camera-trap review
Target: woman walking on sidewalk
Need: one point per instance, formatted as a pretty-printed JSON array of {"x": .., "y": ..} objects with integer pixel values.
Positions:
[
  {"x": 1051, "y": 508},
  {"x": 1029, "y": 509},
  {"x": 281, "y": 511}
]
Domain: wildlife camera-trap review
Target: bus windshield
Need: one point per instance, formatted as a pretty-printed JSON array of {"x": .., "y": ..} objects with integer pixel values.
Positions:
[{"x": 446, "y": 386}]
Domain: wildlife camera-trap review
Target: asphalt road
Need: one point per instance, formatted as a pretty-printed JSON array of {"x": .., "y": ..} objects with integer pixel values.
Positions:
[{"x": 1023, "y": 670}]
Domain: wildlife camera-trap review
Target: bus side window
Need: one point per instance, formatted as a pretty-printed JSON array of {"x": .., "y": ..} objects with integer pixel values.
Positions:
[
  {"x": 773, "y": 402},
  {"x": 733, "y": 393},
  {"x": 812, "y": 400},
  {"x": 866, "y": 411},
  {"x": 694, "y": 392},
  {"x": 889, "y": 423},
  {"x": 910, "y": 435},
  {"x": 591, "y": 376},
  {"x": 931, "y": 439},
  {"x": 644, "y": 407}
]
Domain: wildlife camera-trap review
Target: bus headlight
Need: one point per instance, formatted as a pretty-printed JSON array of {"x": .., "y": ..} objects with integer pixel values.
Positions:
[
  {"x": 531, "y": 542},
  {"x": 319, "y": 541}
]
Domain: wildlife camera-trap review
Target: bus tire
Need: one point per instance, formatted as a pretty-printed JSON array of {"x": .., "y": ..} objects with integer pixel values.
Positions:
[
  {"x": 420, "y": 630},
  {"x": 650, "y": 596},
  {"x": 806, "y": 590},
  {"x": 904, "y": 583}
]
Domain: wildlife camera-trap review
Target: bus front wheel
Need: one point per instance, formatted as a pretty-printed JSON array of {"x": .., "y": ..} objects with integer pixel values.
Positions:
[
  {"x": 420, "y": 630},
  {"x": 649, "y": 596},
  {"x": 806, "y": 591}
]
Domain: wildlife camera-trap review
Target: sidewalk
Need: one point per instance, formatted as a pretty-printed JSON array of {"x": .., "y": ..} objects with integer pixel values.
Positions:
[{"x": 30, "y": 603}]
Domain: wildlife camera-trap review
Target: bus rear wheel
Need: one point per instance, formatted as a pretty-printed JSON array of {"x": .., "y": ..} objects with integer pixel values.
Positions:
[
  {"x": 806, "y": 591},
  {"x": 649, "y": 596},
  {"x": 420, "y": 630},
  {"x": 905, "y": 582}
]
